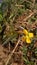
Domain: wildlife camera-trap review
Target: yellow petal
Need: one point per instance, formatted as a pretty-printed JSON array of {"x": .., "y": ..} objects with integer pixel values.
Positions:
[
  {"x": 23, "y": 38},
  {"x": 25, "y": 31},
  {"x": 31, "y": 35},
  {"x": 28, "y": 41}
]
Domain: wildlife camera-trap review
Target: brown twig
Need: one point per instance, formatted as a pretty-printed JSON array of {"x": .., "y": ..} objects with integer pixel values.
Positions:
[
  {"x": 19, "y": 5},
  {"x": 30, "y": 15},
  {"x": 9, "y": 57}
]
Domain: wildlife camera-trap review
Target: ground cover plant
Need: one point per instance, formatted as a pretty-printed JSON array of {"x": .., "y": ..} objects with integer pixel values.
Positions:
[{"x": 18, "y": 32}]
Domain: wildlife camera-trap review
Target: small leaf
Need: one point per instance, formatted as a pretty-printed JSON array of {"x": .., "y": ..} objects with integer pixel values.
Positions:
[
  {"x": 1, "y": 17},
  {"x": 0, "y": 28}
]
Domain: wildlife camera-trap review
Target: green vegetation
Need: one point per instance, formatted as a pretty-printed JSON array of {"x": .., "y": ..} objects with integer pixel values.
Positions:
[{"x": 11, "y": 23}]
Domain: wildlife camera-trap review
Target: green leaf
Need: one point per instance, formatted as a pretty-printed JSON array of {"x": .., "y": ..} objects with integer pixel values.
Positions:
[
  {"x": 35, "y": 51},
  {"x": 24, "y": 50},
  {"x": 1, "y": 17},
  {"x": 27, "y": 62},
  {"x": 0, "y": 28}
]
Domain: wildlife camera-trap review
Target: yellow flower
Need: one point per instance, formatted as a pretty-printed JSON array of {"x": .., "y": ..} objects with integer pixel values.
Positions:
[
  {"x": 25, "y": 31},
  {"x": 28, "y": 40},
  {"x": 31, "y": 35},
  {"x": 27, "y": 37}
]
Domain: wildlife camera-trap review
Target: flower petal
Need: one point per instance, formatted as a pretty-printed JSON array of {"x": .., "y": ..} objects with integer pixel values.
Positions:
[
  {"x": 31, "y": 35},
  {"x": 28, "y": 40},
  {"x": 25, "y": 31}
]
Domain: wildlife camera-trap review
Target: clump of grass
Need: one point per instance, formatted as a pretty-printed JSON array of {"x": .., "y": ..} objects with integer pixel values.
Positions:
[{"x": 10, "y": 10}]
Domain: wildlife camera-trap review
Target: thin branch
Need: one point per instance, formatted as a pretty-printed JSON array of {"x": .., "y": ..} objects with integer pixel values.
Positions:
[
  {"x": 12, "y": 53},
  {"x": 19, "y": 5}
]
